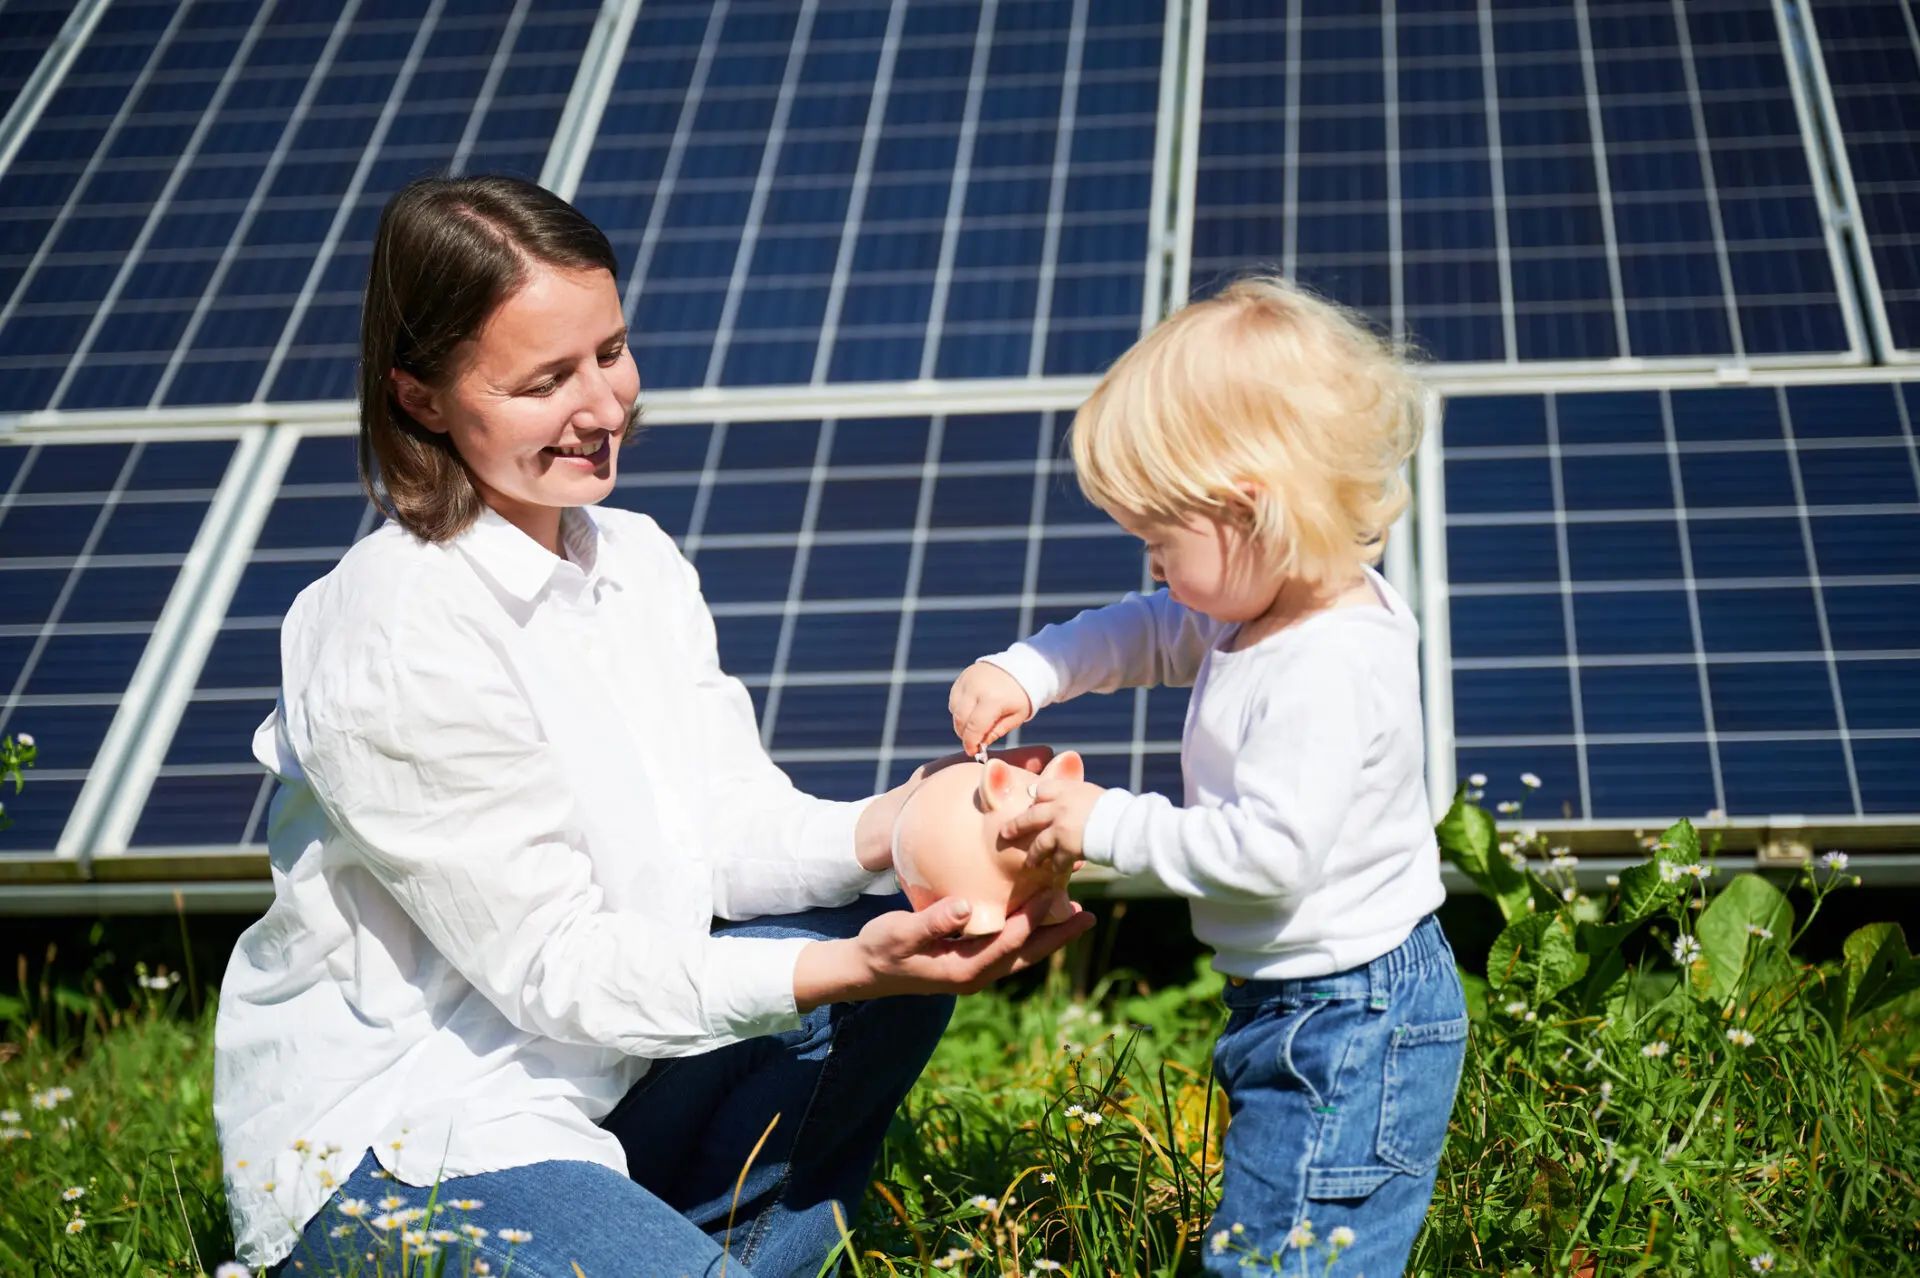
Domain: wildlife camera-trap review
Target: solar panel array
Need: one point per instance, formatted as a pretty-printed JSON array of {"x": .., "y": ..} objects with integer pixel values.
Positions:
[
  {"x": 1677, "y": 602},
  {"x": 1662, "y": 601},
  {"x": 805, "y": 193},
  {"x": 1521, "y": 181},
  {"x": 1871, "y": 52},
  {"x": 92, "y": 540},
  {"x": 189, "y": 221}
]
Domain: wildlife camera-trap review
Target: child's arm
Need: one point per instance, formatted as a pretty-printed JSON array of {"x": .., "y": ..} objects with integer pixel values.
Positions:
[
  {"x": 1143, "y": 640},
  {"x": 1293, "y": 779}
]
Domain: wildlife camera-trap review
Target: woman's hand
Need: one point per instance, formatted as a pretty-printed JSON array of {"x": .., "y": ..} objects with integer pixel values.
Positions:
[
  {"x": 904, "y": 952},
  {"x": 873, "y": 833},
  {"x": 986, "y": 703}
]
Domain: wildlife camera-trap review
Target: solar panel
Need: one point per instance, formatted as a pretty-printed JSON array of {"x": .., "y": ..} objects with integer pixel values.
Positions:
[
  {"x": 209, "y": 790},
  {"x": 1516, "y": 181},
  {"x": 92, "y": 540},
  {"x": 1670, "y": 602},
  {"x": 189, "y": 220},
  {"x": 27, "y": 30},
  {"x": 806, "y": 194},
  {"x": 1871, "y": 53},
  {"x": 854, "y": 568}
]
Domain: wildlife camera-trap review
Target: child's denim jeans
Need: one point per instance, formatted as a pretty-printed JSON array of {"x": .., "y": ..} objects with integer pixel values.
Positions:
[{"x": 1340, "y": 1088}]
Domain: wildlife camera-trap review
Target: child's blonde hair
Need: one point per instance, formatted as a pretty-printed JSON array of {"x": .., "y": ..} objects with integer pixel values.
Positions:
[{"x": 1263, "y": 386}]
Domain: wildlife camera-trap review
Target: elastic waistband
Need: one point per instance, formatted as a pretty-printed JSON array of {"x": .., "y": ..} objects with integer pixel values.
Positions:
[{"x": 1425, "y": 945}]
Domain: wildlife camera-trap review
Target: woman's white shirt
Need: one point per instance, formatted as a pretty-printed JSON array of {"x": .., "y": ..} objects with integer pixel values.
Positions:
[{"x": 515, "y": 790}]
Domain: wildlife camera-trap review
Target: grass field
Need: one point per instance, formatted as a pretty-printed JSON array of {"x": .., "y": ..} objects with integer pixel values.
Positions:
[{"x": 1655, "y": 1083}]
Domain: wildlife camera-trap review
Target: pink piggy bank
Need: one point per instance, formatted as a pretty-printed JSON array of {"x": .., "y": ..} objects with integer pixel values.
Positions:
[{"x": 946, "y": 841}]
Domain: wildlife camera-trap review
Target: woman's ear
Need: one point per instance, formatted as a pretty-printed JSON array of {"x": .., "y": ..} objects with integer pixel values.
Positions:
[{"x": 418, "y": 400}]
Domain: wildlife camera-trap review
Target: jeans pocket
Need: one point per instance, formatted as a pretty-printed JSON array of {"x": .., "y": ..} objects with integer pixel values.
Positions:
[{"x": 1422, "y": 1075}]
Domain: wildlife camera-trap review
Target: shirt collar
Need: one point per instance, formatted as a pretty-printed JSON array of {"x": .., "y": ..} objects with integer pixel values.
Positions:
[{"x": 521, "y": 566}]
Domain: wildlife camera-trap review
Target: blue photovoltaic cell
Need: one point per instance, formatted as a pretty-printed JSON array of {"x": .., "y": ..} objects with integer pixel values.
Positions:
[
  {"x": 189, "y": 220},
  {"x": 1516, "y": 180},
  {"x": 1871, "y": 51},
  {"x": 871, "y": 190},
  {"x": 1665, "y": 603},
  {"x": 847, "y": 624},
  {"x": 27, "y": 29},
  {"x": 92, "y": 537}
]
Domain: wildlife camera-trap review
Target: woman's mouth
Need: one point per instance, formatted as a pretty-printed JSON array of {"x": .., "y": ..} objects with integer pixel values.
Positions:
[{"x": 585, "y": 454}]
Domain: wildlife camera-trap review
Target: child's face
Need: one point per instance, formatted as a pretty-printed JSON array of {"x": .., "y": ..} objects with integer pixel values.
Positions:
[{"x": 1210, "y": 565}]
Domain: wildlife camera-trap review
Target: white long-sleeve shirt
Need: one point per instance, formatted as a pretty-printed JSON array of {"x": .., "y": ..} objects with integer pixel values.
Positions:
[
  {"x": 1305, "y": 845},
  {"x": 515, "y": 791}
]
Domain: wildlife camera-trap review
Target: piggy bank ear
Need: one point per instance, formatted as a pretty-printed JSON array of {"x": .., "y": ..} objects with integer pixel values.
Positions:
[
  {"x": 1066, "y": 766},
  {"x": 1001, "y": 782}
]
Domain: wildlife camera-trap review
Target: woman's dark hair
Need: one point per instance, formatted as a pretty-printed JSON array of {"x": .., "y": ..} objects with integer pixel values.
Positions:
[{"x": 448, "y": 252}]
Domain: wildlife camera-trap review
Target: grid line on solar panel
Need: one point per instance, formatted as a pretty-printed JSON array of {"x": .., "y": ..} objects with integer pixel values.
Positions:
[
  {"x": 92, "y": 540},
  {"x": 27, "y": 31},
  {"x": 1689, "y": 600},
  {"x": 880, "y": 191},
  {"x": 853, "y": 567},
  {"x": 1869, "y": 51},
  {"x": 1508, "y": 182},
  {"x": 189, "y": 220}
]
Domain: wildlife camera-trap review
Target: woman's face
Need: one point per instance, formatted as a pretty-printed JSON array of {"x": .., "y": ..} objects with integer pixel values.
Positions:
[{"x": 539, "y": 400}]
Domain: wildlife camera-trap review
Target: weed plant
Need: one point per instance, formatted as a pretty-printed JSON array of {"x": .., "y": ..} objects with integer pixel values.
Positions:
[{"x": 1655, "y": 1084}]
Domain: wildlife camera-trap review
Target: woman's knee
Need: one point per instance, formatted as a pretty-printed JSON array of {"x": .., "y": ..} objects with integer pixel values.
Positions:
[{"x": 911, "y": 1025}]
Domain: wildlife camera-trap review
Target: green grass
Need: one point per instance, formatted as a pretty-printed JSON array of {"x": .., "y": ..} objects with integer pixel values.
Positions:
[{"x": 1085, "y": 1133}]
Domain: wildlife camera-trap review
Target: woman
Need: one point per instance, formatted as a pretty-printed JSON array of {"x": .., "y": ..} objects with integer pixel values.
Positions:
[{"x": 517, "y": 791}]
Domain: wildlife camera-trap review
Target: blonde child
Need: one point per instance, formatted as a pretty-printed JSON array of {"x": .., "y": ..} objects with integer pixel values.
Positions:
[{"x": 1254, "y": 443}]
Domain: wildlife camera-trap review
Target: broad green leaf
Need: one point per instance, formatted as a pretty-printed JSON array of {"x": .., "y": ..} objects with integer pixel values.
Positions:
[
  {"x": 1749, "y": 901},
  {"x": 1878, "y": 968},
  {"x": 1680, "y": 844},
  {"x": 1470, "y": 840},
  {"x": 1536, "y": 957},
  {"x": 1606, "y": 972},
  {"x": 1643, "y": 892}
]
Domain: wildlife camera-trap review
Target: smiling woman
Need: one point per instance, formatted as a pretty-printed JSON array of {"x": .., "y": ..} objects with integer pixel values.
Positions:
[
  {"x": 550, "y": 930},
  {"x": 496, "y": 369}
]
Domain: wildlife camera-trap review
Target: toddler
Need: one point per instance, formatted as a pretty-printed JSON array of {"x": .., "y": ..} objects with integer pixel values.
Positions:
[{"x": 1254, "y": 443}]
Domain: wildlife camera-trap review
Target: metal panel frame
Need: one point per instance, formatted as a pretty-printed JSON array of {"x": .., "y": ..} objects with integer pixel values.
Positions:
[
  {"x": 579, "y": 124},
  {"x": 46, "y": 78},
  {"x": 1841, "y": 167}
]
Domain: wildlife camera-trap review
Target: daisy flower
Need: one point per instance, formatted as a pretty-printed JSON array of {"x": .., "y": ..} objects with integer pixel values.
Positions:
[
  {"x": 1657, "y": 1048},
  {"x": 1301, "y": 1235},
  {"x": 1687, "y": 951},
  {"x": 69, "y": 1195},
  {"x": 1341, "y": 1236},
  {"x": 516, "y": 1235},
  {"x": 1740, "y": 1037},
  {"x": 75, "y": 1225}
]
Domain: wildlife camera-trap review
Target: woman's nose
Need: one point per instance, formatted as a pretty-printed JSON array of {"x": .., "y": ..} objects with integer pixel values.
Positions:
[{"x": 600, "y": 408}]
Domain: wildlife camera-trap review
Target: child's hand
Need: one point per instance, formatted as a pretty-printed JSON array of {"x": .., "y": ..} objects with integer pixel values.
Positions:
[
  {"x": 986, "y": 703},
  {"x": 1056, "y": 823}
]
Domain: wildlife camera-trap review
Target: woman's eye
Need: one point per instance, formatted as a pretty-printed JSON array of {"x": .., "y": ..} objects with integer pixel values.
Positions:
[
  {"x": 612, "y": 356},
  {"x": 547, "y": 387}
]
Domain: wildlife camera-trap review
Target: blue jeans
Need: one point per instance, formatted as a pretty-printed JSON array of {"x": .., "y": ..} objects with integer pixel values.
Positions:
[
  {"x": 688, "y": 1128},
  {"x": 1339, "y": 1089}
]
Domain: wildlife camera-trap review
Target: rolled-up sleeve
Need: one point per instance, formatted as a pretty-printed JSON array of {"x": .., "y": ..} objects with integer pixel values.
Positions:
[
  {"x": 775, "y": 849},
  {"x": 423, "y": 751}
]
